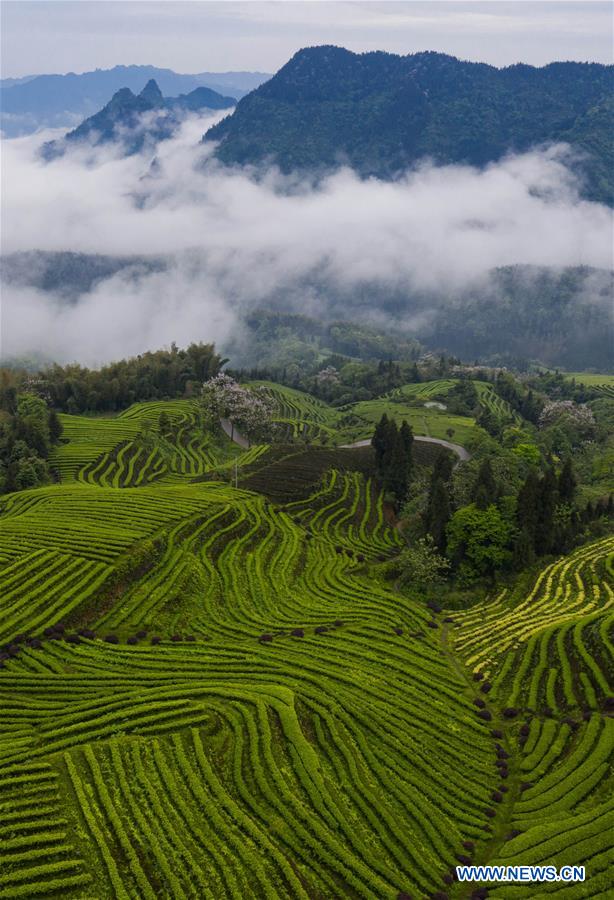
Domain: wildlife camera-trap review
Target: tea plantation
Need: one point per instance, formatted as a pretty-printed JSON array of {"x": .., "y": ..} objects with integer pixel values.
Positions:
[{"x": 208, "y": 688}]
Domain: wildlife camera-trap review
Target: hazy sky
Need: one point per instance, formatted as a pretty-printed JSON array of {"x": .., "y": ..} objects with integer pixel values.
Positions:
[{"x": 54, "y": 36}]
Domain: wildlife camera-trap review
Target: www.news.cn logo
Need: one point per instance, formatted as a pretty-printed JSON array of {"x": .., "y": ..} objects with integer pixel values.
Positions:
[{"x": 520, "y": 873}]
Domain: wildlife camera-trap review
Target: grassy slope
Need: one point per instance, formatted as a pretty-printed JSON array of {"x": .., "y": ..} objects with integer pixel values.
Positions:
[{"x": 348, "y": 762}]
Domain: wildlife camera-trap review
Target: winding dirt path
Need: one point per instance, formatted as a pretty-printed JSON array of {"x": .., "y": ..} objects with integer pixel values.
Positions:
[{"x": 461, "y": 452}]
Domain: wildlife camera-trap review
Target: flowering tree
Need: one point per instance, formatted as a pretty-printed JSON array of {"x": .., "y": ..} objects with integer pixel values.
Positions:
[
  {"x": 250, "y": 411},
  {"x": 579, "y": 413}
]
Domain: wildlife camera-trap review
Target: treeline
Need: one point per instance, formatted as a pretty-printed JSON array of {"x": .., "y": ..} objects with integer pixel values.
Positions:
[
  {"x": 159, "y": 375},
  {"x": 341, "y": 381},
  {"x": 28, "y": 431}
]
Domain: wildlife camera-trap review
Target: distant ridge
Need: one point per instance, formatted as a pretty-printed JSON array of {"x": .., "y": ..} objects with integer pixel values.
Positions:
[
  {"x": 41, "y": 101},
  {"x": 121, "y": 120},
  {"x": 380, "y": 113}
]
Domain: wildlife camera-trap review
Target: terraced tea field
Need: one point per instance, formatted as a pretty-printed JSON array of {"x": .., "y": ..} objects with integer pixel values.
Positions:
[{"x": 212, "y": 692}]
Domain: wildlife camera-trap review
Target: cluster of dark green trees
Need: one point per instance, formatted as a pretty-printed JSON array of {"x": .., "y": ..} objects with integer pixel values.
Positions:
[
  {"x": 498, "y": 531},
  {"x": 160, "y": 375},
  {"x": 393, "y": 459},
  {"x": 28, "y": 431}
]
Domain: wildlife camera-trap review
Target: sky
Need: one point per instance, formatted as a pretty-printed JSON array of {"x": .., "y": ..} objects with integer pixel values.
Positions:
[{"x": 58, "y": 37}]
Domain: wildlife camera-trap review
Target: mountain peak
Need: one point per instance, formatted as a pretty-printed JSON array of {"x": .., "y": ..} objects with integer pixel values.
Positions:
[{"x": 151, "y": 92}]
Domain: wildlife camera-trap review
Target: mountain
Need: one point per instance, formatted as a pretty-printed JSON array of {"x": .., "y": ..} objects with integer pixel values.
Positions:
[
  {"x": 380, "y": 113},
  {"x": 43, "y": 101},
  {"x": 69, "y": 274},
  {"x": 122, "y": 119}
]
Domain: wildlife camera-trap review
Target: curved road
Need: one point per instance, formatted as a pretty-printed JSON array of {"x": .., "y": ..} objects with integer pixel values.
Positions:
[{"x": 463, "y": 455}]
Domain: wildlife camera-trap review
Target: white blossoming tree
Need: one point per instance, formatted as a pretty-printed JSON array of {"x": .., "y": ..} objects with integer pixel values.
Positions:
[{"x": 249, "y": 411}]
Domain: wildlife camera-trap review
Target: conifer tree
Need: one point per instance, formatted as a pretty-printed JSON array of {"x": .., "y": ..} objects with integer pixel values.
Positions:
[
  {"x": 485, "y": 491},
  {"x": 527, "y": 514},
  {"x": 396, "y": 478},
  {"x": 378, "y": 442},
  {"x": 438, "y": 513},
  {"x": 567, "y": 482},
  {"x": 524, "y": 550},
  {"x": 548, "y": 495}
]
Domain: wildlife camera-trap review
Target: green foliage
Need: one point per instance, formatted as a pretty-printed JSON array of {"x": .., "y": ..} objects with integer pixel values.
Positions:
[
  {"x": 477, "y": 541},
  {"x": 421, "y": 565},
  {"x": 381, "y": 113},
  {"x": 192, "y": 757}
]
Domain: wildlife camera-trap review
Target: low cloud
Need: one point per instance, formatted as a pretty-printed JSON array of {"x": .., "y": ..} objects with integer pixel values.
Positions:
[{"x": 234, "y": 239}]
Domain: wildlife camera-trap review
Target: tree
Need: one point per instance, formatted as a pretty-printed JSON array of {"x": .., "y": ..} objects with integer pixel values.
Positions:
[
  {"x": 378, "y": 441},
  {"x": 438, "y": 513},
  {"x": 567, "y": 482},
  {"x": 548, "y": 496},
  {"x": 485, "y": 490},
  {"x": 422, "y": 565},
  {"x": 523, "y": 550},
  {"x": 223, "y": 398},
  {"x": 489, "y": 422},
  {"x": 396, "y": 477},
  {"x": 477, "y": 541},
  {"x": 527, "y": 507},
  {"x": 55, "y": 427}
]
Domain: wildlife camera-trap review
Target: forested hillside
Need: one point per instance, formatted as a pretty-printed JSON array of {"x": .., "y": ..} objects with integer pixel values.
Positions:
[{"x": 380, "y": 113}]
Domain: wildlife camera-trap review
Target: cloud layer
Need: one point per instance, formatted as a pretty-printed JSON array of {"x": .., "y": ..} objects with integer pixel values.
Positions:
[{"x": 233, "y": 240}]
